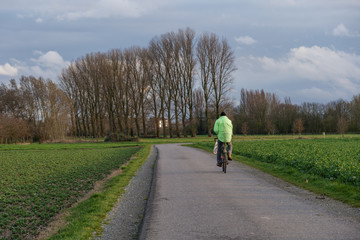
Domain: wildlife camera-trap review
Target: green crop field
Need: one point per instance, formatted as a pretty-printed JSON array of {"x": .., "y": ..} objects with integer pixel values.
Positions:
[
  {"x": 38, "y": 181},
  {"x": 333, "y": 159}
]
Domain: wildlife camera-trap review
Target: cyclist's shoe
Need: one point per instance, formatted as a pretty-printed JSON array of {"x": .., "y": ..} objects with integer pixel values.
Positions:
[
  {"x": 229, "y": 157},
  {"x": 219, "y": 164}
]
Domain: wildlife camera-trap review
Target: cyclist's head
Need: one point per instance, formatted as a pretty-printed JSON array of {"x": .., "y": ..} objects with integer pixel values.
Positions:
[{"x": 223, "y": 114}]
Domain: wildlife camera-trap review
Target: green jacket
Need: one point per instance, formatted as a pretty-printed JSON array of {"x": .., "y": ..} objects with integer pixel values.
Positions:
[{"x": 224, "y": 129}]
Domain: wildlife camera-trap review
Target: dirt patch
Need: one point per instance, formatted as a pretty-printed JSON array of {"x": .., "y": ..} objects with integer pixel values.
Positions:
[{"x": 58, "y": 223}]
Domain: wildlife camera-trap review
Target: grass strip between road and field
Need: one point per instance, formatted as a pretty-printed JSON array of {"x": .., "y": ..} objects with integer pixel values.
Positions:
[
  {"x": 334, "y": 189},
  {"x": 87, "y": 217}
]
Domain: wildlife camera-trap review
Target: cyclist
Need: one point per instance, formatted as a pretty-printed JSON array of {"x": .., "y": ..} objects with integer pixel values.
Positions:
[{"x": 224, "y": 129}]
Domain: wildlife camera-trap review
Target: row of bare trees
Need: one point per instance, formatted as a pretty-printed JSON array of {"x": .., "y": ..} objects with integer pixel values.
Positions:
[
  {"x": 138, "y": 91},
  {"x": 260, "y": 113},
  {"x": 38, "y": 109}
]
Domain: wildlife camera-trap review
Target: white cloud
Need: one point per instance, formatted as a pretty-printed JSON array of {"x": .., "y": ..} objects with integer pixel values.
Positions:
[
  {"x": 51, "y": 59},
  {"x": 319, "y": 72},
  {"x": 8, "y": 70},
  {"x": 39, "y": 20},
  {"x": 47, "y": 65},
  {"x": 245, "y": 40},
  {"x": 341, "y": 31},
  {"x": 316, "y": 63}
]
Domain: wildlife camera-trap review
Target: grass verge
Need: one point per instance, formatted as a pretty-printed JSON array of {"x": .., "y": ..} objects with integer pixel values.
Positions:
[
  {"x": 334, "y": 189},
  {"x": 87, "y": 217}
]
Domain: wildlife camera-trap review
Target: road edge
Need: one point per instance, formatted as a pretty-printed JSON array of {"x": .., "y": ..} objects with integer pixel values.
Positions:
[
  {"x": 124, "y": 221},
  {"x": 149, "y": 205}
]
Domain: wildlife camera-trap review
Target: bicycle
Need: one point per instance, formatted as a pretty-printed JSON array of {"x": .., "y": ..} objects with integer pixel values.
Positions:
[{"x": 224, "y": 156}]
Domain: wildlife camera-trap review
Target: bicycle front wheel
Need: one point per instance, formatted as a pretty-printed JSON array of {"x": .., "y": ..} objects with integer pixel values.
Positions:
[{"x": 225, "y": 160}]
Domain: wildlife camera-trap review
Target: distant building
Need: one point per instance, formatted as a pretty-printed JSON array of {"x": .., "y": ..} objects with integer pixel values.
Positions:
[
  {"x": 161, "y": 123},
  {"x": 152, "y": 124}
]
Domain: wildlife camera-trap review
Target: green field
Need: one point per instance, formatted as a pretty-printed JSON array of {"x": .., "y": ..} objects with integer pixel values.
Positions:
[
  {"x": 333, "y": 159},
  {"x": 38, "y": 181}
]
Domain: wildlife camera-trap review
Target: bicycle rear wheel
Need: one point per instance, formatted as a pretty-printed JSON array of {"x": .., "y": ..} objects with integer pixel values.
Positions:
[{"x": 224, "y": 158}]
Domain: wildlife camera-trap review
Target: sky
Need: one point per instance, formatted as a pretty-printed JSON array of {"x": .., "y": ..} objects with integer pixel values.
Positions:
[{"x": 303, "y": 49}]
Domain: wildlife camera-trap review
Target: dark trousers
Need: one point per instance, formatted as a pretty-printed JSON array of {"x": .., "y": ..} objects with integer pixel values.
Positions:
[{"x": 229, "y": 150}]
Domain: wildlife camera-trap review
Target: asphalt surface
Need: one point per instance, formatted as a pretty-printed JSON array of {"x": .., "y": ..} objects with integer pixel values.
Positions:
[{"x": 192, "y": 199}]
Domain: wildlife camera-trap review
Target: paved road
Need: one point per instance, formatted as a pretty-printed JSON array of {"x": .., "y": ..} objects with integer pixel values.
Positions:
[{"x": 193, "y": 199}]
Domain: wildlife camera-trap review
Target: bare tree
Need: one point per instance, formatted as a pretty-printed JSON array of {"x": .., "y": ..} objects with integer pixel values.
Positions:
[
  {"x": 298, "y": 126},
  {"x": 198, "y": 109},
  {"x": 153, "y": 94},
  {"x": 56, "y": 105},
  {"x": 167, "y": 58},
  {"x": 116, "y": 89},
  {"x": 158, "y": 81},
  {"x": 202, "y": 52},
  {"x": 342, "y": 126},
  {"x": 222, "y": 66},
  {"x": 136, "y": 66},
  {"x": 355, "y": 113},
  {"x": 245, "y": 128},
  {"x": 70, "y": 84},
  {"x": 216, "y": 61},
  {"x": 186, "y": 40},
  {"x": 132, "y": 69},
  {"x": 67, "y": 86},
  {"x": 270, "y": 127},
  {"x": 144, "y": 87},
  {"x": 175, "y": 73}
]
